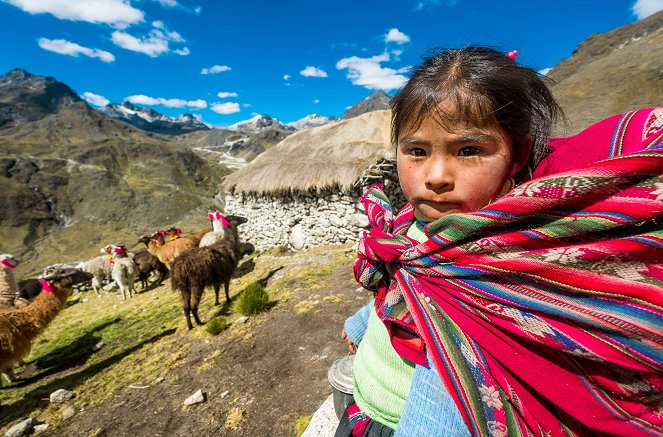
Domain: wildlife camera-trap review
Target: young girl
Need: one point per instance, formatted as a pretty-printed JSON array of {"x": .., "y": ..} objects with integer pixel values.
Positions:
[{"x": 501, "y": 311}]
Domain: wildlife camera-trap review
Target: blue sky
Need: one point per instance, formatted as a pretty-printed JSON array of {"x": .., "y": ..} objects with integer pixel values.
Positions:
[{"x": 229, "y": 60}]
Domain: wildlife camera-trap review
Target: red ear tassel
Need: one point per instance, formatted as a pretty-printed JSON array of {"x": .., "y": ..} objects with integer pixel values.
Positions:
[{"x": 512, "y": 55}]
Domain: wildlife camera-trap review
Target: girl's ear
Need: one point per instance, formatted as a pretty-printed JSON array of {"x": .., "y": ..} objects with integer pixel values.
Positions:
[{"x": 521, "y": 157}]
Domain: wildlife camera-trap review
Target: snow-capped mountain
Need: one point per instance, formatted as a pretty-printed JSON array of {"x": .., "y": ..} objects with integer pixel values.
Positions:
[
  {"x": 153, "y": 121},
  {"x": 312, "y": 120},
  {"x": 259, "y": 123}
]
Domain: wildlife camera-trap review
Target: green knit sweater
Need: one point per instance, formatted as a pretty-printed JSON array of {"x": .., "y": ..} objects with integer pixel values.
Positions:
[{"x": 381, "y": 377}]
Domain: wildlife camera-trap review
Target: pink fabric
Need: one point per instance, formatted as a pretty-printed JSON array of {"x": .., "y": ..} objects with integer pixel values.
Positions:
[{"x": 46, "y": 286}]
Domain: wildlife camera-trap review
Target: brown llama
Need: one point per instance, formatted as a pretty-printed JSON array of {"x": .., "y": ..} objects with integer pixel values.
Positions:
[
  {"x": 167, "y": 252},
  {"x": 19, "y": 326},
  {"x": 207, "y": 266},
  {"x": 173, "y": 234}
]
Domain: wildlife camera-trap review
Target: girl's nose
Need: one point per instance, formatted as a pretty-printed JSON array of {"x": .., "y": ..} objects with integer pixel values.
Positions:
[{"x": 439, "y": 175}]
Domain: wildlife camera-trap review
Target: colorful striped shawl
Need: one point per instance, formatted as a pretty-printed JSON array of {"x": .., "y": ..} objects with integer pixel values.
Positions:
[{"x": 542, "y": 312}]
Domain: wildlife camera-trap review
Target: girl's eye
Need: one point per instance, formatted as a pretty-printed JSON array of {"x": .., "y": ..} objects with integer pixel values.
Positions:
[
  {"x": 416, "y": 151},
  {"x": 469, "y": 151}
]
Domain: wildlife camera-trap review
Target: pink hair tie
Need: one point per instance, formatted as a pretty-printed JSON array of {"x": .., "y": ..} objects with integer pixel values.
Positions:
[
  {"x": 46, "y": 286},
  {"x": 512, "y": 55}
]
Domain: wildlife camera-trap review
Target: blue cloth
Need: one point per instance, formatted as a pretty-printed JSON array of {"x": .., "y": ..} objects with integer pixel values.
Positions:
[{"x": 429, "y": 410}]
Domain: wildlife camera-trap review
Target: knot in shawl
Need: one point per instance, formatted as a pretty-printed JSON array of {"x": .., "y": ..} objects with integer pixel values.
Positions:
[{"x": 542, "y": 312}]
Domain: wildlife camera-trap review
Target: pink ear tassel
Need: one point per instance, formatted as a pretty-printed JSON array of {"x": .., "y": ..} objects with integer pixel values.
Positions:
[
  {"x": 210, "y": 216},
  {"x": 224, "y": 222},
  {"x": 46, "y": 286},
  {"x": 512, "y": 55},
  {"x": 218, "y": 215},
  {"x": 119, "y": 250},
  {"x": 178, "y": 232},
  {"x": 161, "y": 232}
]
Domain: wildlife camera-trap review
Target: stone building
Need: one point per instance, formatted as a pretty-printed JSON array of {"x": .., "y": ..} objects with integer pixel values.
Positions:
[{"x": 303, "y": 192}]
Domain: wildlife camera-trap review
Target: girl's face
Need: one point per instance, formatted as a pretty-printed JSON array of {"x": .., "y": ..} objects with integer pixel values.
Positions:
[{"x": 443, "y": 172}]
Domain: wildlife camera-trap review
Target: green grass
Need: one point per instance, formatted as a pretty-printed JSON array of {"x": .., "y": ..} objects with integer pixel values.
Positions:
[
  {"x": 216, "y": 325},
  {"x": 253, "y": 300}
]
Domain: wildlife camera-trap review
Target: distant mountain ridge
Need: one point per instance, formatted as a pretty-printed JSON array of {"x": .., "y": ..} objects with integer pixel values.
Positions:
[
  {"x": 375, "y": 102},
  {"x": 259, "y": 123},
  {"x": 312, "y": 120},
  {"x": 25, "y": 97},
  {"x": 153, "y": 121}
]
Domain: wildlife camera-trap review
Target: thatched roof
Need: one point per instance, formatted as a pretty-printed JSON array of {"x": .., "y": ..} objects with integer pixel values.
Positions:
[{"x": 333, "y": 155}]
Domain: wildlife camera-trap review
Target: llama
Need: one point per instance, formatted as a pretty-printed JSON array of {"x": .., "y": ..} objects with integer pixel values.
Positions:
[
  {"x": 28, "y": 289},
  {"x": 124, "y": 270},
  {"x": 19, "y": 326},
  {"x": 146, "y": 263},
  {"x": 206, "y": 266},
  {"x": 8, "y": 287},
  {"x": 100, "y": 267},
  {"x": 219, "y": 223},
  {"x": 175, "y": 233},
  {"x": 168, "y": 252}
]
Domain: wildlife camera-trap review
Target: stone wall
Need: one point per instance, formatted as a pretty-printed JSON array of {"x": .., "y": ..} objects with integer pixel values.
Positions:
[{"x": 303, "y": 220}]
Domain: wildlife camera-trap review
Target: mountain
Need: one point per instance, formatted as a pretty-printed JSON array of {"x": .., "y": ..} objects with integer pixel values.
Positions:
[
  {"x": 25, "y": 98},
  {"x": 375, "y": 102},
  {"x": 259, "y": 123},
  {"x": 611, "y": 73},
  {"x": 310, "y": 121},
  {"x": 152, "y": 121},
  {"x": 73, "y": 179}
]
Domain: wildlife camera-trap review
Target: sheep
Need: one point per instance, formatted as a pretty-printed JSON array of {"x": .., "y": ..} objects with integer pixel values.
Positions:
[
  {"x": 8, "y": 285},
  {"x": 219, "y": 223},
  {"x": 100, "y": 267},
  {"x": 124, "y": 270},
  {"x": 19, "y": 326},
  {"x": 200, "y": 267},
  {"x": 168, "y": 252}
]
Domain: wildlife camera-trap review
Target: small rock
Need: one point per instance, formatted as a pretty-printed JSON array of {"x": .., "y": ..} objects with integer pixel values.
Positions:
[
  {"x": 68, "y": 413},
  {"x": 195, "y": 398},
  {"x": 159, "y": 380},
  {"x": 85, "y": 300},
  {"x": 22, "y": 428},
  {"x": 60, "y": 396},
  {"x": 242, "y": 319},
  {"x": 224, "y": 394},
  {"x": 41, "y": 428},
  {"x": 98, "y": 346}
]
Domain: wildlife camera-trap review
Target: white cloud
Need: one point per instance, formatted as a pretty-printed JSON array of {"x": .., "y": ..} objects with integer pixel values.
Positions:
[
  {"x": 64, "y": 47},
  {"x": 225, "y": 95},
  {"x": 215, "y": 69},
  {"x": 197, "y": 10},
  {"x": 95, "y": 99},
  {"x": 183, "y": 52},
  {"x": 153, "y": 45},
  {"x": 168, "y": 3},
  {"x": 311, "y": 71},
  {"x": 286, "y": 77},
  {"x": 544, "y": 71},
  {"x": 645, "y": 8},
  {"x": 316, "y": 101},
  {"x": 246, "y": 105},
  {"x": 395, "y": 35},
  {"x": 225, "y": 108},
  {"x": 368, "y": 72},
  {"x": 142, "y": 99},
  {"x": 425, "y": 4},
  {"x": 117, "y": 13}
]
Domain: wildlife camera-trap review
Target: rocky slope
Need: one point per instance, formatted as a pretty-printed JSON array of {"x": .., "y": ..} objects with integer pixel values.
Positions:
[
  {"x": 152, "y": 121},
  {"x": 375, "y": 102},
  {"x": 611, "y": 73},
  {"x": 73, "y": 179}
]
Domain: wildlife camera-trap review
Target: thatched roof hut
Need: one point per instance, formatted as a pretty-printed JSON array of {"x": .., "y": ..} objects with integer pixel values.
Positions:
[{"x": 336, "y": 155}]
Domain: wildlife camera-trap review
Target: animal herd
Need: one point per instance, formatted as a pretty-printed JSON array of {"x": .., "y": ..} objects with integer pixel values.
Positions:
[{"x": 204, "y": 258}]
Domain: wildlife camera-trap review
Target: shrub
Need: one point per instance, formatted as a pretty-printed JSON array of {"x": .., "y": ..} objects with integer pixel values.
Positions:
[
  {"x": 302, "y": 424},
  {"x": 252, "y": 300},
  {"x": 216, "y": 325}
]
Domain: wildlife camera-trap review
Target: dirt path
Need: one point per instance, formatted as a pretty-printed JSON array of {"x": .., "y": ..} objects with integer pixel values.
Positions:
[{"x": 258, "y": 379}]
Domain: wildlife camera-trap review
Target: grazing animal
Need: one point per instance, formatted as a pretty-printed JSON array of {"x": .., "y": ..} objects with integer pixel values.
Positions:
[
  {"x": 147, "y": 263},
  {"x": 19, "y": 326},
  {"x": 124, "y": 271},
  {"x": 207, "y": 266},
  {"x": 100, "y": 267},
  {"x": 8, "y": 285},
  {"x": 167, "y": 252},
  {"x": 219, "y": 223}
]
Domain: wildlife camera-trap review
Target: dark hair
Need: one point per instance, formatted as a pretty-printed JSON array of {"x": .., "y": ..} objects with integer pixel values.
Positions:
[{"x": 481, "y": 87}]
